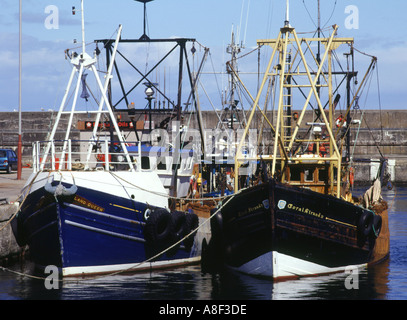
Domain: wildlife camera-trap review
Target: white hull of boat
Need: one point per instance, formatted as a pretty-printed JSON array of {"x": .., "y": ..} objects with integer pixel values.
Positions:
[{"x": 284, "y": 267}]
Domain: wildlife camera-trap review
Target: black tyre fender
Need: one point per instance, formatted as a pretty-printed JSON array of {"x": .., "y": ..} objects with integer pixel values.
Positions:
[
  {"x": 216, "y": 224},
  {"x": 158, "y": 228},
  {"x": 178, "y": 225},
  {"x": 177, "y": 232},
  {"x": 365, "y": 224}
]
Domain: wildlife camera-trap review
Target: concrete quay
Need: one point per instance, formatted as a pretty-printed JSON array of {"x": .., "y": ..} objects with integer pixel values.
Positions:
[{"x": 10, "y": 190}]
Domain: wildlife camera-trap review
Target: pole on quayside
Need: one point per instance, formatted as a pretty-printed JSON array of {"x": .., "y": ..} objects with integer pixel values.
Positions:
[{"x": 20, "y": 144}]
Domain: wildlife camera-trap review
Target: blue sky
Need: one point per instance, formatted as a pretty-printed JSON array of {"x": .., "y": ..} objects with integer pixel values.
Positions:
[{"x": 45, "y": 71}]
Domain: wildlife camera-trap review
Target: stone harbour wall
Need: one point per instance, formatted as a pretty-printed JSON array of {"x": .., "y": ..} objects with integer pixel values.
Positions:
[
  {"x": 381, "y": 133},
  {"x": 10, "y": 251}
]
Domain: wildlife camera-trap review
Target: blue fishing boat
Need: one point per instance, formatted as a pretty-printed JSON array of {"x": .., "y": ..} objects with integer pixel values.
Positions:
[{"x": 94, "y": 206}]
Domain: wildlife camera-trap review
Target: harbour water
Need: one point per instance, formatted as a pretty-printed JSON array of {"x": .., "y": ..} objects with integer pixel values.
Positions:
[{"x": 387, "y": 281}]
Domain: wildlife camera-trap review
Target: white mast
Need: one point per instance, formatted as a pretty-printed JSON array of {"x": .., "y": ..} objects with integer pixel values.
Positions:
[
  {"x": 287, "y": 15},
  {"x": 83, "y": 27},
  {"x": 81, "y": 63}
]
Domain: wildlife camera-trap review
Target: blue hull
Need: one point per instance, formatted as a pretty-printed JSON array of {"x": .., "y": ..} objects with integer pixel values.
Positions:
[{"x": 94, "y": 232}]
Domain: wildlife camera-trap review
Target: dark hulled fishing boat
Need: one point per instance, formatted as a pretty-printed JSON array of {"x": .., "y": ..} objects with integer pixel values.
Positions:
[{"x": 301, "y": 219}]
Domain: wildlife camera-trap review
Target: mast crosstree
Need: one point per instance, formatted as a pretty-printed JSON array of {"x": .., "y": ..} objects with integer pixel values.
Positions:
[
  {"x": 289, "y": 51},
  {"x": 82, "y": 62}
]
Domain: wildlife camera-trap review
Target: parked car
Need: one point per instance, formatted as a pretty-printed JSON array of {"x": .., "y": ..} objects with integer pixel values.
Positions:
[{"x": 8, "y": 160}]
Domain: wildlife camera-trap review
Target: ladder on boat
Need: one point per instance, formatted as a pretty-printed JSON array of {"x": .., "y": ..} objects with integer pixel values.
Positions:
[{"x": 286, "y": 117}]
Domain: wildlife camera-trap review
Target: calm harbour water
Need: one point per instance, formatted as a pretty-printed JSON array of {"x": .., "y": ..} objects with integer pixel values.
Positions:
[{"x": 387, "y": 281}]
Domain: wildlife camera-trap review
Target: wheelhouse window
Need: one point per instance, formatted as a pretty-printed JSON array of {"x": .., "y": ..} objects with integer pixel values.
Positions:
[
  {"x": 309, "y": 175},
  {"x": 145, "y": 163},
  {"x": 322, "y": 175},
  {"x": 295, "y": 174}
]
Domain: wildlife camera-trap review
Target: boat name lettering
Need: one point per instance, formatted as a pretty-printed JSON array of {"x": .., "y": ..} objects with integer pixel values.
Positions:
[
  {"x": 87, "y": 204},
  {"x": 305, "y": 210},
  {"x": 259, "y": 206},
  {"x": 253, "y": 209}
]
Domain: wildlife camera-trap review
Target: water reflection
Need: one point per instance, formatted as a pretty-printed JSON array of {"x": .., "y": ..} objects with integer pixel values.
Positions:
[
  {"x": 372, "y": 283},
  {"x": 189, "y": 283},
  {"x": 387, "y": 280}
]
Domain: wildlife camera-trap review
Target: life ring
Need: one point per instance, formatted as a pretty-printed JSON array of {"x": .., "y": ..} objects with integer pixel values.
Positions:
[
  {"x": 158, "y": 228},
  {"x": 377, "y": 225},
  {"x": 365, "y": 225},
  {"x": 340, "y": 122}
]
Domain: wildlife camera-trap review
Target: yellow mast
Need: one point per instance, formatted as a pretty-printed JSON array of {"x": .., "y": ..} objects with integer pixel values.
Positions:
[{"x": 282, "y": 151}]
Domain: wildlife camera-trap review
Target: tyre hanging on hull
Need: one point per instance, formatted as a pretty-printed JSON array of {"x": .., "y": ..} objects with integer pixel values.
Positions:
[
  {"x": 158, "y": 231},
  {"x": 177, "y": 231},
  {"x": 216, "y": 224},
  {"x": 183, "y": 225},
  {"x": 164, "y": 229},
  {"x": 178, "y": 224},
  {"x": 364, "y": 226}
]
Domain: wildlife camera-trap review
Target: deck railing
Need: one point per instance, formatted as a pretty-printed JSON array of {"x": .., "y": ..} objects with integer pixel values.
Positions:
[
  {"x": 82, "y": 155},
  {"x": 109, "y": 156}
]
